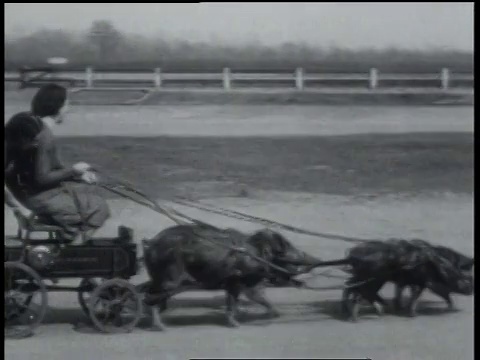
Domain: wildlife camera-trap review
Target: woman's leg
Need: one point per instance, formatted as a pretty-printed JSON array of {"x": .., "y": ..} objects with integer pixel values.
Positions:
[{"x": 75, "y": 209}]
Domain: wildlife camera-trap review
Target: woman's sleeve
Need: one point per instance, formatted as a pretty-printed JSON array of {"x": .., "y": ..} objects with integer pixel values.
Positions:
[
  {"x": 45, "y": 175},
  {"x": 10, "y": 200},
  {"x": 57, "y": 163},
  {"x": 5, "y": 155}
]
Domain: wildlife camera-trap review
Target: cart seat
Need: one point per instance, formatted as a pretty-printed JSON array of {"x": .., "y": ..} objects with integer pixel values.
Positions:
[
  {"x": 38, "y": 225},
  {"x": 41, "y": 224}
]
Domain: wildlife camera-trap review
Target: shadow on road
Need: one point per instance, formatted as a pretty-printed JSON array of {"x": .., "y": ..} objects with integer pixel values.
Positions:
[{"x": 210, "y": 311}]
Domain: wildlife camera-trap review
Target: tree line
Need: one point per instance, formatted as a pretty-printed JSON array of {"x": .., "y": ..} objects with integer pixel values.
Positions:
[{"x": 104, "y": 46}]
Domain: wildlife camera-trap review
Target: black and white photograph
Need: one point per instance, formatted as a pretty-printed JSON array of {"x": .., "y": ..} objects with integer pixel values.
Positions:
[{"x": 213, "y": 180}]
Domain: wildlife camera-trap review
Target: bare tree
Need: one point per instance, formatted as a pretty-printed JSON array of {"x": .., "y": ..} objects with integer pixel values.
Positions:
[
  {"x": 104, "y": 43},
  {"x": 106, "y": 38}
]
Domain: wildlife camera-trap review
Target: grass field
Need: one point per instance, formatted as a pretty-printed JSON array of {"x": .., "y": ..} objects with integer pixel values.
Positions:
[
  {"x": 342, "y": 165},
  {"x": 325, "y": 94}
]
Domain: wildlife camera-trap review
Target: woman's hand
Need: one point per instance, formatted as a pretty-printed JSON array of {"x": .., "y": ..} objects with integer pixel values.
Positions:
[
  {"x": 23, "y": 215},
  {"x": 81, "y": 167},
  {"x": 89, "y": 177}
]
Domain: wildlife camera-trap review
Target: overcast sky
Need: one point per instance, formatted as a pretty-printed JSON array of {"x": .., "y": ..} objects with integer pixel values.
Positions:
[{"x": 354, "y": 25}]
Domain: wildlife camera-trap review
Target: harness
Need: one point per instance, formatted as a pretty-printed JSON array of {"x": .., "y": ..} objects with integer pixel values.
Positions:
[{"x": 126, "y": 190}]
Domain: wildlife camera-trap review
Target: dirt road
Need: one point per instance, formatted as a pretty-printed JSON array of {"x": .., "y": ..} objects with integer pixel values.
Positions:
[{"x": 310, "y": 325}]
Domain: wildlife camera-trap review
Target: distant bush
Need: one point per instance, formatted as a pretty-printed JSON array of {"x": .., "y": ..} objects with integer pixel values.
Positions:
[{"x": 103, "y": 45}]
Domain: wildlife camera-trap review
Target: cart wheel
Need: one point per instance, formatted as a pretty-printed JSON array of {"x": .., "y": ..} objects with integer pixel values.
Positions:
[
  {"x": 25, "y": 300},
  {"x": 87, "y": 285},
  {"x": 115, "y": 306}
]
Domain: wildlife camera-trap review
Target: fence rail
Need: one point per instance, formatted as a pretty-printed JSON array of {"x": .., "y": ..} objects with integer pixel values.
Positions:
[{"x": 299, "y": 79}]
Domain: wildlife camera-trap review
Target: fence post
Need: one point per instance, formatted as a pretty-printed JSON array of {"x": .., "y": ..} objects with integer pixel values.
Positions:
[
  {"x": 226, "y": 79},
  {"x": 373, "y": 80},
  {"x": 89, "y": 77},
  {"x": 445, "y": 76},
  {"x": 157, "y": 78},
  {"x": 299, "y": 79}
]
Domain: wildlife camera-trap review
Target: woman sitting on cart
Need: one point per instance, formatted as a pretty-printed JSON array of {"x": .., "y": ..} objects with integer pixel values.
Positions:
[{"x": 36, "y": 180}]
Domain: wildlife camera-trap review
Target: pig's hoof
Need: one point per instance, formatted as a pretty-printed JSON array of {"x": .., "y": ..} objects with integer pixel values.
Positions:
[
  {"x": 232, "y": 323},
  {"x": 273, "y": 314},
  {"x": 379, "y": 309},
  {"x": 157, "y": 328},
  {"x": 412, "y": 313}
]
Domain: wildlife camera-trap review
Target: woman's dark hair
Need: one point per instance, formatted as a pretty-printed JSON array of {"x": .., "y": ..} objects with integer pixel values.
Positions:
[
  {"x": 21, "y": 131},
  {"x": 48, "y": 100}
]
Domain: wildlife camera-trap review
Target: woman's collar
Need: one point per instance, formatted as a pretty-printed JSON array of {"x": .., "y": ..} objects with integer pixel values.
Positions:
[{"x": 49, "y": 122}]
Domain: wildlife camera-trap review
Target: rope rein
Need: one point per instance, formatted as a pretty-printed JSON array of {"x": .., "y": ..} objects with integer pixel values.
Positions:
[
  {"x": 237, "y": 215},
  {"x": 118, "y": 187},
  {"x": 169, "y": 213},
  {"x": 242, "y": 216}
]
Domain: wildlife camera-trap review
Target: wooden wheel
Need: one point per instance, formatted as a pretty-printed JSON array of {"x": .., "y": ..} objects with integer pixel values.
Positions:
[
  {"x": 115, "y": 306},
  {"x": 87, "y": 286},
  {"x": 25, "y": 300}
]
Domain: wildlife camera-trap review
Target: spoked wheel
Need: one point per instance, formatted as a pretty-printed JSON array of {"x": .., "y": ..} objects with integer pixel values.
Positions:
[
  {"x": 87, "y": 286},
  {"x": 115, "y": 306},
  {"x": 25, "y": 300}
]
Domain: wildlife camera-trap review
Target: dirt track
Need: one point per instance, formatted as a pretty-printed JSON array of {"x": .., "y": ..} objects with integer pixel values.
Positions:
[{"x": 310, "y": 325}]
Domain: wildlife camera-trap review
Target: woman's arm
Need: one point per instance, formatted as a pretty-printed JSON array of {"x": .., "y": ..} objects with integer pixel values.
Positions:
[
  {"x": 57, "y": 163},
  {"x": 45, "y": 174},
  {"x": 15, "y": 205},
  {"x": 10, "y": 200}
]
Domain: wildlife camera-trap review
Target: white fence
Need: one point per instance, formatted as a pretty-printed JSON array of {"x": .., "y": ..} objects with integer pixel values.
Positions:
[{"x": 299, "y": 78}]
